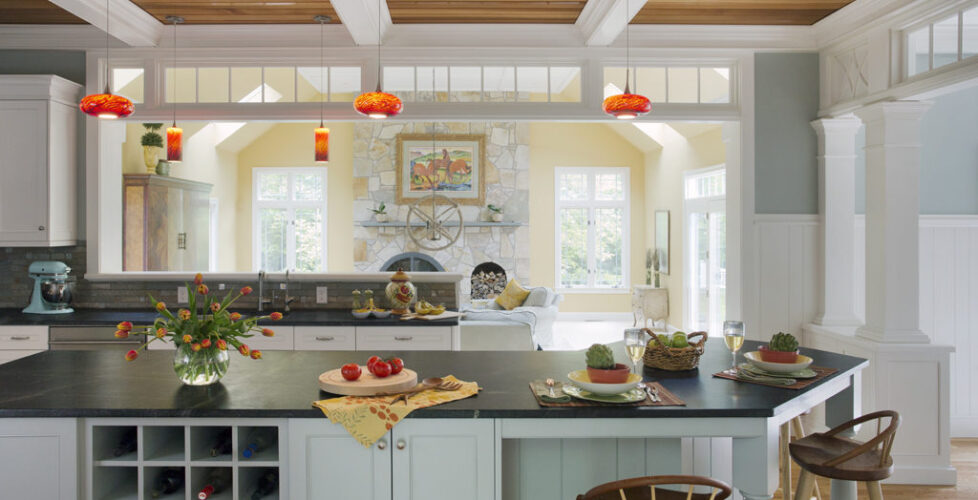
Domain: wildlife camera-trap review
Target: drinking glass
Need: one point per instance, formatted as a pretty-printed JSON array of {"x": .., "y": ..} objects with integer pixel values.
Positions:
[
  {"x": 733, "y": 336},
  {"x": 635, "y": 342}
]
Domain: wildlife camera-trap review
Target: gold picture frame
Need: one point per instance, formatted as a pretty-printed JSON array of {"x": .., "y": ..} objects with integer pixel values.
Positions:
[{"x": 456, "y": 165}]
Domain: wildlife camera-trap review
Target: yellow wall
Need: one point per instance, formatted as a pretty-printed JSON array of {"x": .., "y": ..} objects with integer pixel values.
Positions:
[
  {"x": 581, "y": 145},
  {"x": 664, "y": 191},
  {"x": 291, "y": 145}
]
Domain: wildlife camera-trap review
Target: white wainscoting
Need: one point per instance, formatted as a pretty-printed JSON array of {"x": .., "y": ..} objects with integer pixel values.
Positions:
[{"x": 788, "y": 269}]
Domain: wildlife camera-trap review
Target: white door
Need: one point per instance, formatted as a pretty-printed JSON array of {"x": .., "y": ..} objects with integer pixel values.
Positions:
[
  {"x": 329, "y": 464},
  {"x": 444, "y": 459},
  {"x": 705, "y": 251},
  {"x": 24, "y": 171}
]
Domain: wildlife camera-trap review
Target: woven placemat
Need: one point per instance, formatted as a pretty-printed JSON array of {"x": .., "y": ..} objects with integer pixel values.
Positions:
[
  {"x": 801, "y": 384},
  {"x": 667, "y": 397}
]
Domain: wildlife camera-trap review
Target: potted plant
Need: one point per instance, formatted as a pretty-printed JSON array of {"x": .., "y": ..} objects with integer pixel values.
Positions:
[
  {"x": 495, "y": 213},
  {"x": 380, "y": 213},
  {"x": 783, "y": 348},
  {"x": 601, "y": 366},
  {"x": 152, "y": 145}
]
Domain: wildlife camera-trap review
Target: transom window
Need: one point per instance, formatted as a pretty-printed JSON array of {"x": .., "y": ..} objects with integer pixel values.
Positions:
[
  {"x": 673, "y": 84},
  {"x": 289, "y": 219},
  {"x": 484, "y": 83},
  {"x": 592, "y": 214},
  {"x": 253, "y": 84},
  {"x": 944, "y": 41}
]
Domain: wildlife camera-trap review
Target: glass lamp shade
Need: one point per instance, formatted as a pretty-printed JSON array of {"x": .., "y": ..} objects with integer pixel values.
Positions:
[
  {"x": 627, "y": 106},
  {"x": 322, "y": 145},
  {"x": 106, "y": 106},
  {"x": 378, "y": 104},
  {"x": 174, "y": 144}
]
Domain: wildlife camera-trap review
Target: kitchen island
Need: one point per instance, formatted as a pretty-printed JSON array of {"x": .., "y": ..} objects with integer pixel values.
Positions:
[{"x": 499, "y": 444}]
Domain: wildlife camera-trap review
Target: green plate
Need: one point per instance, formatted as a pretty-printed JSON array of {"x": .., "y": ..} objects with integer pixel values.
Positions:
[
  {"x": 800, "y": 374},
  {"x": 630, "y": 396}
]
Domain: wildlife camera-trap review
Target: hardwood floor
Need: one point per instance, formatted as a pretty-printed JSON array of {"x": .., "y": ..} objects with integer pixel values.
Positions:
[{"x": 964, "y": 457}]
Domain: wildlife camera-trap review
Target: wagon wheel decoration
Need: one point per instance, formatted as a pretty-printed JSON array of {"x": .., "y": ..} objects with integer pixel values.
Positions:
[{"x": 440, "y": 218}]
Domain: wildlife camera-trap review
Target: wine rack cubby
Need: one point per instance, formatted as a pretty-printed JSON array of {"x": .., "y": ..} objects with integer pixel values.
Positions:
[{"x": 127, "y": 459}]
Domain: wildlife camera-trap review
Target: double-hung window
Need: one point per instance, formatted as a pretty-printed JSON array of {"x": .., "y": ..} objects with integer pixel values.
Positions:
[
  {"x": 591, "y": 227},
  {"x": 289, "y": 219}
]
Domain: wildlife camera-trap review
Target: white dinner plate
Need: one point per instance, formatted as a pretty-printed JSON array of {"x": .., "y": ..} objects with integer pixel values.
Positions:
[
  {"x": 580, "y": 379},
  {"x": 755, "y": 359}
]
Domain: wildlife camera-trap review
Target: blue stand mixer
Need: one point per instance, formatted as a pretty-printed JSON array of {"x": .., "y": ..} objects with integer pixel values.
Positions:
[{"x": 51, "y": 291}]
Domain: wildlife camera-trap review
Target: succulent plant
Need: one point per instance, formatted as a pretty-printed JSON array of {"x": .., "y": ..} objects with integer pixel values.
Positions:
[
  {"x": 600, "y": 357},
  {"x": 784, "y": 342}
]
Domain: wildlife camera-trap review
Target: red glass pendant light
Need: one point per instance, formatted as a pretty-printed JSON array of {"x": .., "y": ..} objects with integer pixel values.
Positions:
[
  {"x": 627, "y": 106},
  {"x": 174, "y": 134},
  {"x": 322, "y": 144},
  {"x": 106, "y": 105},
  {"x": 378, "y": 104},
  {"x": 321, "y": 132}
]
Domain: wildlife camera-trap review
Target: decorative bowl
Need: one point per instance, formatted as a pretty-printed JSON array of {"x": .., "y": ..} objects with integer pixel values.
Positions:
[
  {"x": 581, "y": 379},
  {"x": 754, "y": 357},
  {"x": 615, "y": 375},
  {"x": 772, "y": 356},
  {"x": 361, "y": 314},
  {"x": 381, "y": 313}
]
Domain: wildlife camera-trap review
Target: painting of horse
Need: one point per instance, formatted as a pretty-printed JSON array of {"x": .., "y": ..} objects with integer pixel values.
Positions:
[
  {"x": 447, "y": 170},
  {"x": 452, "y": 166}
]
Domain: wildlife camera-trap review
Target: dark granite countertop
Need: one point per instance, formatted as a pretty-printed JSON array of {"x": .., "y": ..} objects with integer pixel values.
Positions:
[
  {"x": 110, "y": 317},
  {"x": 284, "y": 384}
]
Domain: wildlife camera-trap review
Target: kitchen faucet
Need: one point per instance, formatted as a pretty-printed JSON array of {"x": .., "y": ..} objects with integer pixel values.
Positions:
[
  {"x": 261, "y": 292},
  {"x": 288, "y": 300}
]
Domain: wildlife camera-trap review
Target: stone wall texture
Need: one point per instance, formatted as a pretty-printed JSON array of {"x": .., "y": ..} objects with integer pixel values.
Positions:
[{"x": 507, "y": 186}]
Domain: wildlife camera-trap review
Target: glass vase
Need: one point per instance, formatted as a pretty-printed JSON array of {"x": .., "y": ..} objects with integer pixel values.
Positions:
[{"x": 203, "y": 367}]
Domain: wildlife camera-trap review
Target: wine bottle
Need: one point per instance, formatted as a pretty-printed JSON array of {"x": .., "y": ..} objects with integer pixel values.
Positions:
[
  {"x": 126, "y": 444},
  {"x": 267, "y": 484},
  {"x": 222, "y": 443},
  {"x": 258, "y": 440},
  {"x": 216, "y": 482},
  {"x": 167, "y": 481}
]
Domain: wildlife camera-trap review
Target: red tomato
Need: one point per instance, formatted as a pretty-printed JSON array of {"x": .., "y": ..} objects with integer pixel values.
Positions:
[
  {"x": 381, "y": 369},
  {"x": 371, "y": 362},
  {"x": 350, "y": 371},
  {"x": 396, "y": 365}
]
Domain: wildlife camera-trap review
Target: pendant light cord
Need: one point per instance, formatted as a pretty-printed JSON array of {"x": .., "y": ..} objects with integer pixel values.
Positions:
[
  {"x": 378, "y": 46},
  {"x": 174, "y": 73},
  {"x": 628, "y": 46},
  {"x": 322, "y": 68},
  {"x": 107, "y": 91}
]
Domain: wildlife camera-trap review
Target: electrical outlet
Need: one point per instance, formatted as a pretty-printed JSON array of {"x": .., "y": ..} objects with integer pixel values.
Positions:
[
  {"x": 282, "y": 286},
  {"x": 182, "y": 295},
  {"x": 220, "y": 286},
  {"x": 321, "y": 295}
]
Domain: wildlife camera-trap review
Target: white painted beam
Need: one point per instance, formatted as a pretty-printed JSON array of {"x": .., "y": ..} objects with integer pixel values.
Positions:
[
  {"x": 360, "y": 18},
  {"x": 130, "y": 24},
  {"x": 601, "y": 21}
]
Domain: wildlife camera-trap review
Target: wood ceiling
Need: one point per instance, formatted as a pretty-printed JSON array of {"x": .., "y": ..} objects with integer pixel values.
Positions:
[{"x": 758, "y": 12}]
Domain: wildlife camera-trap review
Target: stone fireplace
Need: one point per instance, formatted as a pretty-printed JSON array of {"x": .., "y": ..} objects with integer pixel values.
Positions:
[
  {"x": 412, "y": 261},
  {"x": 488, "y": 280}
]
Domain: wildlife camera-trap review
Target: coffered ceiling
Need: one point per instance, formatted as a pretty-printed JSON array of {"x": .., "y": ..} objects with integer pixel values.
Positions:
[
  {"x": 478, "y": 11},
  {"x": 35, "y": 12},
  {"x": 240, "y": 12},
  {"x": 771, "y": 12}
]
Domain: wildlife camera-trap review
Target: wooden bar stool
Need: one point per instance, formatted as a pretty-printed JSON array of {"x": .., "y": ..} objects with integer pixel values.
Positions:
[
  {"x": 792, "y": 429},
  {"x": 644, "y": 488},
  {"x": 837, "y": 457}
]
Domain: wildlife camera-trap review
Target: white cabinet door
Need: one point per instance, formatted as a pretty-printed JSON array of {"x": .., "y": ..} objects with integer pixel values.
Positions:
[
  {"x": 39, "y": 458},
  {"x": 326, "y": 463},
  {"x": 23, "y": 168},
  {"x": 281, "y": 341},
  {"x": 325, "y": 338},
  {"x": 444, "y": 459},
  {"x": 404, "y": 338}
]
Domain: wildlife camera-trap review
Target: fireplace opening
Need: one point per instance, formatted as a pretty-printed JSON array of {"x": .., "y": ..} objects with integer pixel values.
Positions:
[
  {"x": 488, "y": 280},
  {"x": 412, "y": 261}
]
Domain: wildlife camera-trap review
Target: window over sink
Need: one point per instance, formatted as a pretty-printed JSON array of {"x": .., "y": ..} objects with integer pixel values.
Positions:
[{"x": 289, "y": 219}]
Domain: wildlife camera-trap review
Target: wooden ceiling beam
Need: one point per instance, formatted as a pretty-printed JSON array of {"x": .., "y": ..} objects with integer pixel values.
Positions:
[
  {"x": 732, "y": 16},
  {"x": 602, "y": 21},
  {"x": 360, "y": 18},
  {"x": 129, "y": 23}
]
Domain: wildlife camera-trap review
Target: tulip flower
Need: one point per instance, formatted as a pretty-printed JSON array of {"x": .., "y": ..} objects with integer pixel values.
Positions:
[
  {"x": 121, "y": 334},
  {"x": 255, "y": 354},
  {"x": 235, "y": 316},
  {"x": 187, "y": 339},
  {"x": 246, "y": 290},
  {"x": 131, "y": 355},
  {"x": 222, "y": 345},
  {"x": 160, "y": 333},
  {"x": 184, "y": 314},
  {"x": 215, "y": 306},
  {"x": 198, "y": 279},
  {"x": 125, "y": 326},
  {"x": 243, "y": 349},
  {"x": 161, "y": 306},
  {"x": 195, "y": 346},
  {"x": 268, "y": 332},
  {"x": 275, "y": 316},
  {"x": 202, "y": 289},
  {"x": 205, "y": 343}
]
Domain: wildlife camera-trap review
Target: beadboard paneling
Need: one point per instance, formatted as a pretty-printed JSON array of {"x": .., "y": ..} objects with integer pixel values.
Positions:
[{"x": 788, "y": 268}]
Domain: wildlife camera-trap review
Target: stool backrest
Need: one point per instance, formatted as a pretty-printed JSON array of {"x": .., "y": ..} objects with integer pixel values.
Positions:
[
  {"x": 644, "y": 488},
  {"x": 882, "y": 442}
]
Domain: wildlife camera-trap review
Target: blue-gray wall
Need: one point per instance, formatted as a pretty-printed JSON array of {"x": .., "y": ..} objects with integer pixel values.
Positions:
[{"x": 785, "y": 101}]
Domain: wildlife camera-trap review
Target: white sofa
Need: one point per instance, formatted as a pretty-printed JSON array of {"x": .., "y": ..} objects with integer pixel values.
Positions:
[{"x": 527, "y": 327}]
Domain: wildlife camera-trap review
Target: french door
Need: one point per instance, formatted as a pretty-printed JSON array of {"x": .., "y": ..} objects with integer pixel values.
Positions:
[{"x": 705, "y": 228}]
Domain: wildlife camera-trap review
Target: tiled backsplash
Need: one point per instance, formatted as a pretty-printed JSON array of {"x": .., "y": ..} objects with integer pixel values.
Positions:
[{"x": 16, "y": 286}]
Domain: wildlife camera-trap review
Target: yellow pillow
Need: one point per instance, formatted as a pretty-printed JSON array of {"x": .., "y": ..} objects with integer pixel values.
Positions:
[{"x": 513, "y": 296}]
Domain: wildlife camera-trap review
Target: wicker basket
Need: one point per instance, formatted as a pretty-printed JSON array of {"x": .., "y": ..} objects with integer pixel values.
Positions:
[{"x": 674, "y": 358}]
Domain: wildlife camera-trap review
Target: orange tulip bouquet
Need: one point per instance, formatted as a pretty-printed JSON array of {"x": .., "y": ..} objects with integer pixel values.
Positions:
[{"x": 202, "y": 333}]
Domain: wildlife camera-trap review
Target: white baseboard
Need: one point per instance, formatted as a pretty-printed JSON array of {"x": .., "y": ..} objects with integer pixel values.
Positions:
[
  {"x": 964, "y": 427},
  {"x": 937, "y": 476},
  {"x": 596, "y": 316}
]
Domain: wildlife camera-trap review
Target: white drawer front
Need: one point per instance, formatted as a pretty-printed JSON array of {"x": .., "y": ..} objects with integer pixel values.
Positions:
[
  {"x": 325, "y": 338},
  {"x": 414, "y": 338},
  {"x": 23, "y": 337},
  {"x": 6, "y": 356},
  {"x": 281, "y": 341}
]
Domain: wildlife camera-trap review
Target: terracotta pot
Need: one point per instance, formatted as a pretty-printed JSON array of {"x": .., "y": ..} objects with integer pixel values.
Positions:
[
  {"x": 778, "y": 356},
  {"x": 616, "y": 375}
]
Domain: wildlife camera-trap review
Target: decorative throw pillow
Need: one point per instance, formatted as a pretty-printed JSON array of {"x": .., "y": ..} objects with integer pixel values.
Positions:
[
  {"x": 539, "y": 297},
  {"x": 513, "y": 295}
]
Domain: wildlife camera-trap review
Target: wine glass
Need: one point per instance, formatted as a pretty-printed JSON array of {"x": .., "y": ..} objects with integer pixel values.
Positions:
[
  {"x": 635, "y": 346},
  {"x": 733, "y": 336}
]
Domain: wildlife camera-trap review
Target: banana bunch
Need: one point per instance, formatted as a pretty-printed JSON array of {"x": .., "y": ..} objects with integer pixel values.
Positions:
[{"x": 425, "y": 308}]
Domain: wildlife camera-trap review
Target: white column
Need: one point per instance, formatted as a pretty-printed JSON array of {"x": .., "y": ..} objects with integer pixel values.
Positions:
[
  {"x": 892, "y": 221},
  {"x": 837, "y": 207}
]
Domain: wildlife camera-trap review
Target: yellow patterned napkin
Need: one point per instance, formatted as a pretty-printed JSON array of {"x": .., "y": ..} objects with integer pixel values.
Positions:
[{"x": 368, "y": 418}]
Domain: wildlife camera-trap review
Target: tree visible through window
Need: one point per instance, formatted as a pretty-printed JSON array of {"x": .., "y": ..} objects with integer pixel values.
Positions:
[
  {"x": 289, "y": 219},
  {"x": 591, "y": 223}
]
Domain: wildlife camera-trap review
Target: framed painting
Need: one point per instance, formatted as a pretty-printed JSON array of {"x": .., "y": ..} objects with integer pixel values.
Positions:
[
  {"x": 453, "y": 165},
  {"x": 662, "y": 240}
]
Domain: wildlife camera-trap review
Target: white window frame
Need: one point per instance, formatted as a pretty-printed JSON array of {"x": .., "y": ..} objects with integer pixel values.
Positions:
[
  {"x": 705, "y": 203},
  {"x": 290, "y": 205},
  {"x": 592, "y": 204}
]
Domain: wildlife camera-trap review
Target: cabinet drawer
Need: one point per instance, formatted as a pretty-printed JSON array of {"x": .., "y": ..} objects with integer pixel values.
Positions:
[
  {"x": 7, "y": 356},
  {"x": 325, "y": 338},
  {"x": 282, "y": 341},
  {"x": 24, "y": 337},
  {"x": 413, "y": 338}
]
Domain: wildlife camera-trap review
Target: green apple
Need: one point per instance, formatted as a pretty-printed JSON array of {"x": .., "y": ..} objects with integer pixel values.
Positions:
[
  {"x": 665, "y": 340},
  {"x": 679, "y": 340}
]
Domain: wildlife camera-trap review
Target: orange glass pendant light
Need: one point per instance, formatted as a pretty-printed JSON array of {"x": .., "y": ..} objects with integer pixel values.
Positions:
[
  {"x": 322, "y": 144},
  {"x": 321, "y": 132},
  {"x": 378, "y": 104},
  {"x": 174, "y": 134},
  {"x": 106, "y": 105},
  {"x": 627, "y": 106}
]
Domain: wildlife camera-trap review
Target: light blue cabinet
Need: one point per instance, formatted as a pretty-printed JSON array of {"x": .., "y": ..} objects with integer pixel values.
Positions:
[{"x": 328, "y": 464}]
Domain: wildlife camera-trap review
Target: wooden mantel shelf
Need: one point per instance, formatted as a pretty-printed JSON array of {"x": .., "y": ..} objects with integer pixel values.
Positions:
[{"x": 421, "y": 224}]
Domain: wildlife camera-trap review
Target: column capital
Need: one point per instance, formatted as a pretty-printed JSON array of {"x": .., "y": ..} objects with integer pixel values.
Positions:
[
  {"x": 845, "y": 124},
  {"x": 893, "y": 109}
]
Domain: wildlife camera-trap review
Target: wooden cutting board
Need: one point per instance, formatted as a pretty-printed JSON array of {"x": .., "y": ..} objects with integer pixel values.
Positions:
[
  {"x": 432, "y": 317},
  {"x": 367, "y": 385}
]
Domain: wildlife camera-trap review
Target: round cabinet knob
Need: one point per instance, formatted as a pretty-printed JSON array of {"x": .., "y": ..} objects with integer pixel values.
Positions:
[
  {"x": 40, "y": 228},
  {"x": 401, "y": 444},
  {"x": 382, "y": 444}
]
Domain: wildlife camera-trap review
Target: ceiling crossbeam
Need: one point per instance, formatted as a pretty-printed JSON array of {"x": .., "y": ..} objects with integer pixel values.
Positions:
[
  {"x": 360, "y": 18},
  {"x": 129, "y": 24},
  {"x": 602, "y": 21}
]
